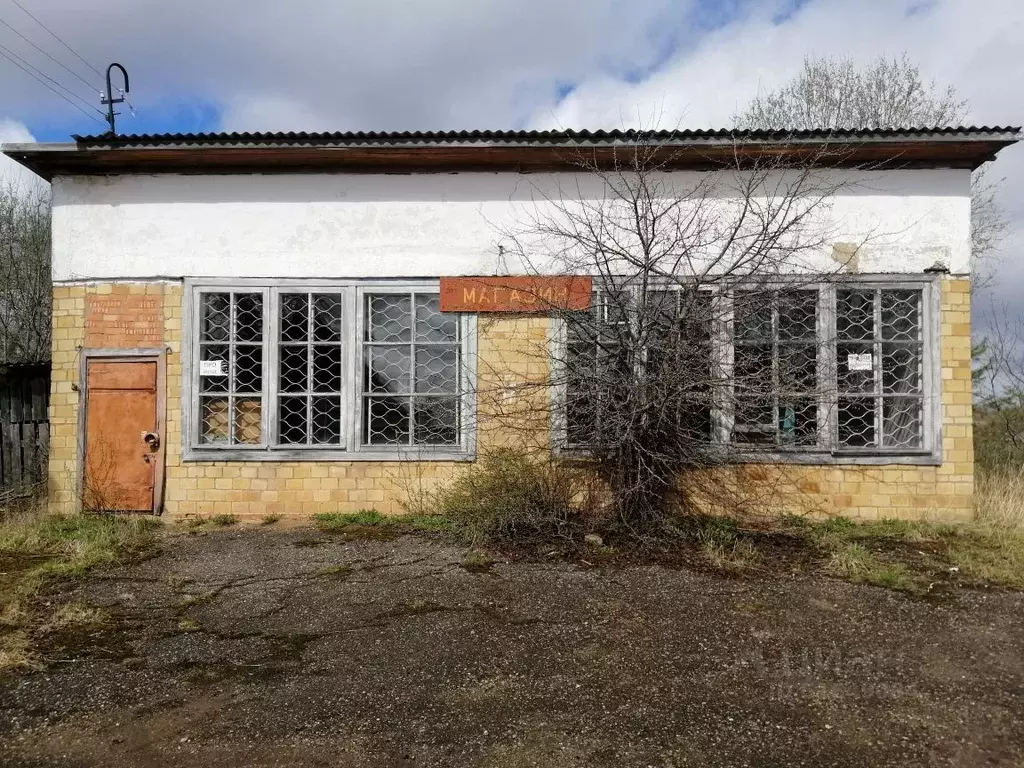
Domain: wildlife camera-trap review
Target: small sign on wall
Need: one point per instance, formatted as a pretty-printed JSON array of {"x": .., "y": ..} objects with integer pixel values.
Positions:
[
  {"x": 514, "y": 294},
  {"x": 212, "y": 368},
  {"x": 859, "y": 361}
]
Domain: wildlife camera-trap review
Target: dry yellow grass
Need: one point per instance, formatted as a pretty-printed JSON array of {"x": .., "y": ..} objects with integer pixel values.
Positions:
[{"x": 999, "y": 497}]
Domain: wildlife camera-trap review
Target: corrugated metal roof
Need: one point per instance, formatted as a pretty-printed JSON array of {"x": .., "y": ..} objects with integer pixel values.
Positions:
[{"x": 537, "y": 138}]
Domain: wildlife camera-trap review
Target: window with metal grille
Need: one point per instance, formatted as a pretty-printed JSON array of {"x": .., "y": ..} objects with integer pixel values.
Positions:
[
  {"x": 880, "y": 365},
  {"x": 310, "y": 393},
  {"x": 292, "y": 371},
  {"x": 411, "y": 371},
  {"x": 776, "y": 388},
  {"x": 231, "y": 368},
  {"x": 841, "y": 368}
]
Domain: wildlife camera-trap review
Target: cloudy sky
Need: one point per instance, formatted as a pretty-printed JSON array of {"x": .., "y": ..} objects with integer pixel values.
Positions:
[{"x": 437, "y": 64}]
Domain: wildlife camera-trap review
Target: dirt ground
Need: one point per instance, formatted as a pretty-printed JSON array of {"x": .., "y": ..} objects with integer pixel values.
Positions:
[{"x": 277, "y": 648}]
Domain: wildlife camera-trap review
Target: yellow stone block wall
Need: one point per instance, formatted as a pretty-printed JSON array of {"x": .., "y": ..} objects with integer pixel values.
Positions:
[{"x": 512, "y": 410}]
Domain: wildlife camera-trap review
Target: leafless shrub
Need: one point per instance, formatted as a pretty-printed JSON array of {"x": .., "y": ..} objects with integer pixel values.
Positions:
[{"x": 678, "y": 260}]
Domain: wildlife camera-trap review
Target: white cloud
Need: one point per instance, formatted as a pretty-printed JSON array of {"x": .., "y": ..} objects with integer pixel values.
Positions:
[
  {"x": 13, "y": 132},
  {"x": 971, "y": 44}
]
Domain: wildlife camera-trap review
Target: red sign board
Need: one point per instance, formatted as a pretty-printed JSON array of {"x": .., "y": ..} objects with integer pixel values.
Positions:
[{"x": 514, "y": 294}]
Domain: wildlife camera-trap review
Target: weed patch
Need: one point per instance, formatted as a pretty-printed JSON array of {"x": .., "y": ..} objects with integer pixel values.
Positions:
[
  {"x": 37, "y": 552},
  {"x": 371, "y": 524},
  {"x": 340, "y": 572}
]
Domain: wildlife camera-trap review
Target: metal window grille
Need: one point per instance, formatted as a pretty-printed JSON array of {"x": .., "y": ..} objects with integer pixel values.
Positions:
[
  {"x": 231, "y": 368},
  {"x": 280, "y": 371},
  {"x": 880, "y": 369},
  {"x": 412, "y": 369},
  {"x": 776, "y": 382},
  {"x": 310, "y": 355},
  {"x": 840, "y": 368}
]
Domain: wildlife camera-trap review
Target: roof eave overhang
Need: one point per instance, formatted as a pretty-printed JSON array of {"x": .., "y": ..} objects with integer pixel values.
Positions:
[{"x": 52, "y": 160}]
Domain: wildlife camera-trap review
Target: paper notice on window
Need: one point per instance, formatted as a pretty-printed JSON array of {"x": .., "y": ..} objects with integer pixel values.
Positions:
[
  {"x": 859, "y": 361},
  {"x": 212, "y": 368}
]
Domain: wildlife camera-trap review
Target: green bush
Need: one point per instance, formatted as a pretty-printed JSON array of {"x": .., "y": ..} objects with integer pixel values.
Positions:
[{"x": 509, "y": 497}]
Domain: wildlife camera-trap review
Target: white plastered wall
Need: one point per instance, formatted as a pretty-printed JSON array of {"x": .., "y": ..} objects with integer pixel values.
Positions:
[{"x": 355, "y": 225}]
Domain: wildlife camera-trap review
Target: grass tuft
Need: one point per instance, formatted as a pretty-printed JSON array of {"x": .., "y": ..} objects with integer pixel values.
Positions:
[
  {"x": 222, "y": 521},
  {"x": 269, "y": 519},
  {"x": 75, "y": 616},
  {"x": 366, "y": 520}
]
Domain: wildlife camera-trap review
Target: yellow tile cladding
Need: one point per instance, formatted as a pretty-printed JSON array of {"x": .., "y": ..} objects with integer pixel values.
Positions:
[{"x": 512, "y": 410}]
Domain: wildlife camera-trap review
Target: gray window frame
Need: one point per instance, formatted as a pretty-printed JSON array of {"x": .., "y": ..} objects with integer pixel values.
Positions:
[
  {"x": 826, "y": 451},
  {"x": 352, "y": 293}
]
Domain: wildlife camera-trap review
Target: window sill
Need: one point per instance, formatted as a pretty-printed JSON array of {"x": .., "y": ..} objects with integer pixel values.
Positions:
[
  {"x": 919, "y": 459},
  {"x": 327, "y": 455}
]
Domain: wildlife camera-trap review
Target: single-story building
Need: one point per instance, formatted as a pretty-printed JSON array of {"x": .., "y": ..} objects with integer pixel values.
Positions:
[{"x": 253, "y": 324}]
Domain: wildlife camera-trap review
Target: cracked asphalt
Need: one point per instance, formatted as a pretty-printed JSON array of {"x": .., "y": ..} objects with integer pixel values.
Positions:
[{"x": 295, "y": 648}]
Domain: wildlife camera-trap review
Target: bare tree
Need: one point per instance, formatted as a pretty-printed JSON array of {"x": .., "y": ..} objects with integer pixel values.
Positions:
[
  {"x": 25, "y": 281},
  {"x": 837, "y": 93},
  {"x": 678, "y": 261}
]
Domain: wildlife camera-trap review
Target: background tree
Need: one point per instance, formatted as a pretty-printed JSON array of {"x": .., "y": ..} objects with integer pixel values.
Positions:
[
  {"x": 25, "y": 279},
  {"x": 838, "y": 93}
]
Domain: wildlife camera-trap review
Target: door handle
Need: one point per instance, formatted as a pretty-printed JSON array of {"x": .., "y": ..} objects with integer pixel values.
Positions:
[{"x": 152, "y": 439}]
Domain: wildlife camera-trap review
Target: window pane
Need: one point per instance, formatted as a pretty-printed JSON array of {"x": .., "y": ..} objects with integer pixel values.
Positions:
[
  {"x": 902, "y": 422},
  {"x": 248, "y": 317},
  {"x": 294, "y": 317},
  {"x": 327, "y": 317},
  {"x": 856, "y": 368},
  {"x": 213, "y": 420},
  {"x": 387, "y": 369},
  {"x": 215, "y": 317},
  {"x": 247, "y": 421},
  {"x": 386, "y": 421},
  {"x": 798, "y": 368},
  {"x": 390, "y": 318},
  {"x": 437, "y": 370},
  {"x": 857, "y": 421},
  {"x": 248, "y": 370},
  {"x": 291, "y": 420},
  {"x": 327, "y": 368},
  {"x": 901, "y": 315},
  {"x": 326, "y": 420},
  {"x": 798, "y": 315},
  {"x": 432, "y": 325},
  {"x": 798, "y": 421},
  {"x": 855, "y": 315},
  {"x": 752, "y": 314},
  {"x": 753, "y": 367},
  {"x": 755, "y": 420},
  {"x": 901, "y": 368},
  {"x": 436, "y": 420},
  {"x": 294, "y": 363},
  {"x": 215, "y": 353}
]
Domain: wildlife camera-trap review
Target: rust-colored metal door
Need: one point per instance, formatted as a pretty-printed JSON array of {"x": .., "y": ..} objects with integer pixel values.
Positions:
[{"x": 123, "y": 452}]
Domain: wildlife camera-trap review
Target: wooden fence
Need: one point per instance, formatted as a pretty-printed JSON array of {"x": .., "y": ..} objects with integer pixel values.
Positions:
[{"x": 24, "y": 428}]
